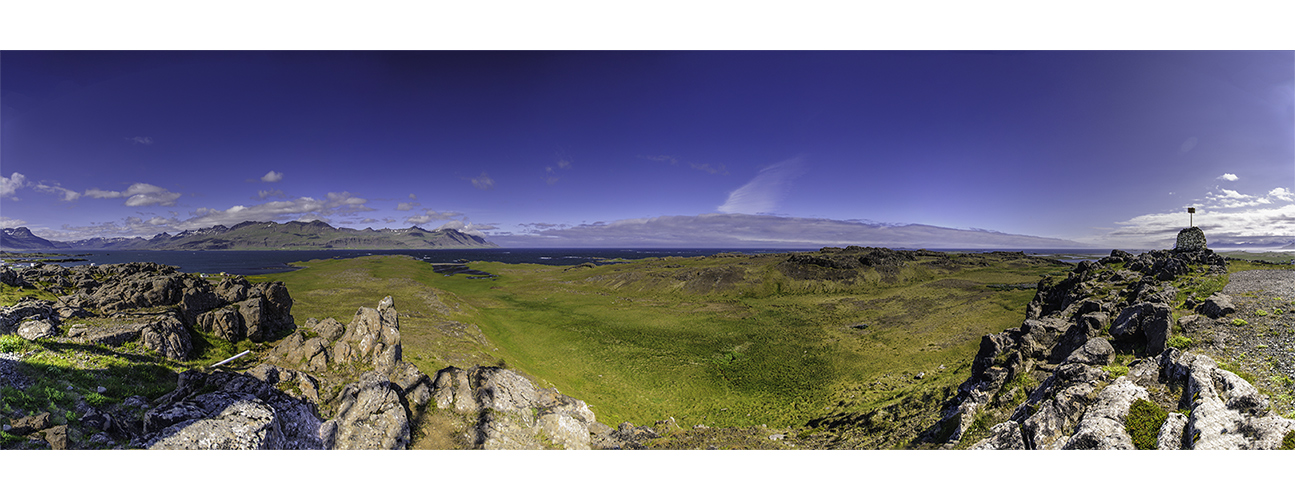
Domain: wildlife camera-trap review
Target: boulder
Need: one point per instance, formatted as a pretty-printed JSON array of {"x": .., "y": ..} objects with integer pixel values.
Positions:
[
  {"x": 330, "y": 329},
  {"x": 168, "y": 336},
  {"x": 1144, "y": 324},
  {"x": 1218, "y": 305},
  {"x": 1097, "y": 351},
  {"x": 1171, "y": 432},
  {"x": 511, "y": 413},
  {"x": 370, "y": 417},
  {"x": 221, "y": 421},
  {"x": 1102, "y": 427},
  {"x": 225, "y": 323},
  {"x": 37, "y": 329},
  {"x": 1004, "y": 436},
  {"x": 225, "y": 410},
  {"x": 28, "y": 310}
]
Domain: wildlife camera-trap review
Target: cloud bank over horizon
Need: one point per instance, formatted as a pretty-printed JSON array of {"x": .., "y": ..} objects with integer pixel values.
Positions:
[{"x": 768, "y": 231}]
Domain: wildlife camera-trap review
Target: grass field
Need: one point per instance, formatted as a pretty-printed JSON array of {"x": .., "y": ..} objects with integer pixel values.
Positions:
[{"x": 720, "y": 341}]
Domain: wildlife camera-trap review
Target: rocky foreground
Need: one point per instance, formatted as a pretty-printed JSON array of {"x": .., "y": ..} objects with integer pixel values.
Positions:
[
  {"x": 323, "y": 386},
  {"x": 1100, "y": 363}
]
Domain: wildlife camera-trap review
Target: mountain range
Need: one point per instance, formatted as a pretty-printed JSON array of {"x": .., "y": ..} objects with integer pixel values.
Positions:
[{"x": 316, "y": 235}]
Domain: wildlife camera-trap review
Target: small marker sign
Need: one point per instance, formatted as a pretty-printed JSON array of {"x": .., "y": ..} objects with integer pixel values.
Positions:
[{"x": 1190, "y": 217}]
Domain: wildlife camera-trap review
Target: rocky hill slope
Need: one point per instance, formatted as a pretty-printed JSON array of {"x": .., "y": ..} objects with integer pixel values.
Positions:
[
  {"x": 323, "y": 386},
  {"x": 1108, "y": 358}
]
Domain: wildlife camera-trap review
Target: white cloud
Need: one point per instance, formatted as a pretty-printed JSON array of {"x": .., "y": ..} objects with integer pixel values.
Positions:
[
  {"x": 12, "y": 184},
  {"x": 67, "y": 194},
  {"x": 467, "y": 228},
  {"x": 138, "y": 195},
  {"x": 430, "y": 215},
  {"x": 763, "y": 193},
  {"x": 1282, "y": 194},
  {"x": 7, "y": 223},
  {"x": 272, "y": 176},
  {"x": 483, "y": 182},
  {"x": 276, "y": 193},
  {"x": 407, "y": 206},
  {"x": 1228, "y": 177}
]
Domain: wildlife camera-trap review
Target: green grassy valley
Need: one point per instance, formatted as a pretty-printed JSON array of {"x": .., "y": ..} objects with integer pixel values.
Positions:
[{"x": 722, "y": 341}]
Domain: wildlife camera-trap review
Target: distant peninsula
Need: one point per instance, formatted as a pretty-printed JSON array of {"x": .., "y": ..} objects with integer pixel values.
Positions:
[{"x": 316, "y": 235}]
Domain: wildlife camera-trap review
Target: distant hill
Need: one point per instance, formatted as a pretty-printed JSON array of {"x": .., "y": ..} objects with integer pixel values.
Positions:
[
  {"x": 315, "y": 235},
  {"x": 19, "y": 238}
]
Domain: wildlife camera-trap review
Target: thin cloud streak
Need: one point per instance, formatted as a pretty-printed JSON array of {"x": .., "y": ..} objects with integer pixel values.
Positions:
[{"x": 763, "y": 193}]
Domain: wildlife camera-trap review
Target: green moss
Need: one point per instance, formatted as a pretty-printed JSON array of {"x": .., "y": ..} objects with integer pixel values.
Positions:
[
  {"x": 1239, "y": 322},
  {"x": 1143, "y": 423},
  {"x": 1288, "y": 442},
  {"x": 1178, "y": 342}
]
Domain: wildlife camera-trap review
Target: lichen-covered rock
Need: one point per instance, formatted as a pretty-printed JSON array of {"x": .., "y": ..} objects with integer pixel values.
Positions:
[
  {"x": 225, "y": 323},
  {"x": 1004, "y": 436},
  {"x": 370, "y": 417},
  {"x": 511, "y": 413},
  {"x": 37, "y": 329},
  {"x": 1171, "y": 432},
  {"x": 1102, "y": 426},
  {"x": 239, "y": 412},
  {"x": 223, "y": 421},
  {"x": 168, "y": 336},
  {"x": 29, "y": 310},
  {"x": 1096, "y": 351}
]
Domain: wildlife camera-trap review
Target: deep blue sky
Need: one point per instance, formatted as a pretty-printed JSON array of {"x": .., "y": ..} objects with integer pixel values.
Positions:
[{"x": 1100, "y": 147}]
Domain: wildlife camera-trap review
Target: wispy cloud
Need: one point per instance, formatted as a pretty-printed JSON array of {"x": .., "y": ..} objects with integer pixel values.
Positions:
[
  {"x": 11, "y": 185},
  {"x": 1227, "y": 177},
  {"x": 138, "y": 195},
  {"x": 551, "y": 171},
  {"x": 272, "y": 176},
  {"x": 482, "y": 182},
  {"x": 763, "y": 193},
  {"x": 662, "y": 158},
  {"x": 765, "y": 231},
  {"x": 54, "y": 188},
  {"x": 406, "y": 206},
  {"x": 7, "y": 223},
  {"x": 147, "y": 141},
  {"x": 430, "y": 215},
  {"x": 276, "y": 193},
  {"x": 706, "y": 167}
]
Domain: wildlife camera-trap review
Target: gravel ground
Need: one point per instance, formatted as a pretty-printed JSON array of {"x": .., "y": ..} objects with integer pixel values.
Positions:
[
  {"x": 1259, "y": 338},
  {"x": 1275, "y": 282}
]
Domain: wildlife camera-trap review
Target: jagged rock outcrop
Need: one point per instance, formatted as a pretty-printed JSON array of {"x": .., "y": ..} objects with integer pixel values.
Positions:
[
  {"x": 150, "y": 303},
  {"x": 241, "y": 413},
  {"x": 371, "y": 417},
  {"x": 511, "y": 413},
  {"x": 1083, "y": 400}
]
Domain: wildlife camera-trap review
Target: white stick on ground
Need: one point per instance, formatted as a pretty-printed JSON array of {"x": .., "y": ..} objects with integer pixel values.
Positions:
[{"x": 236, "y": 356}]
